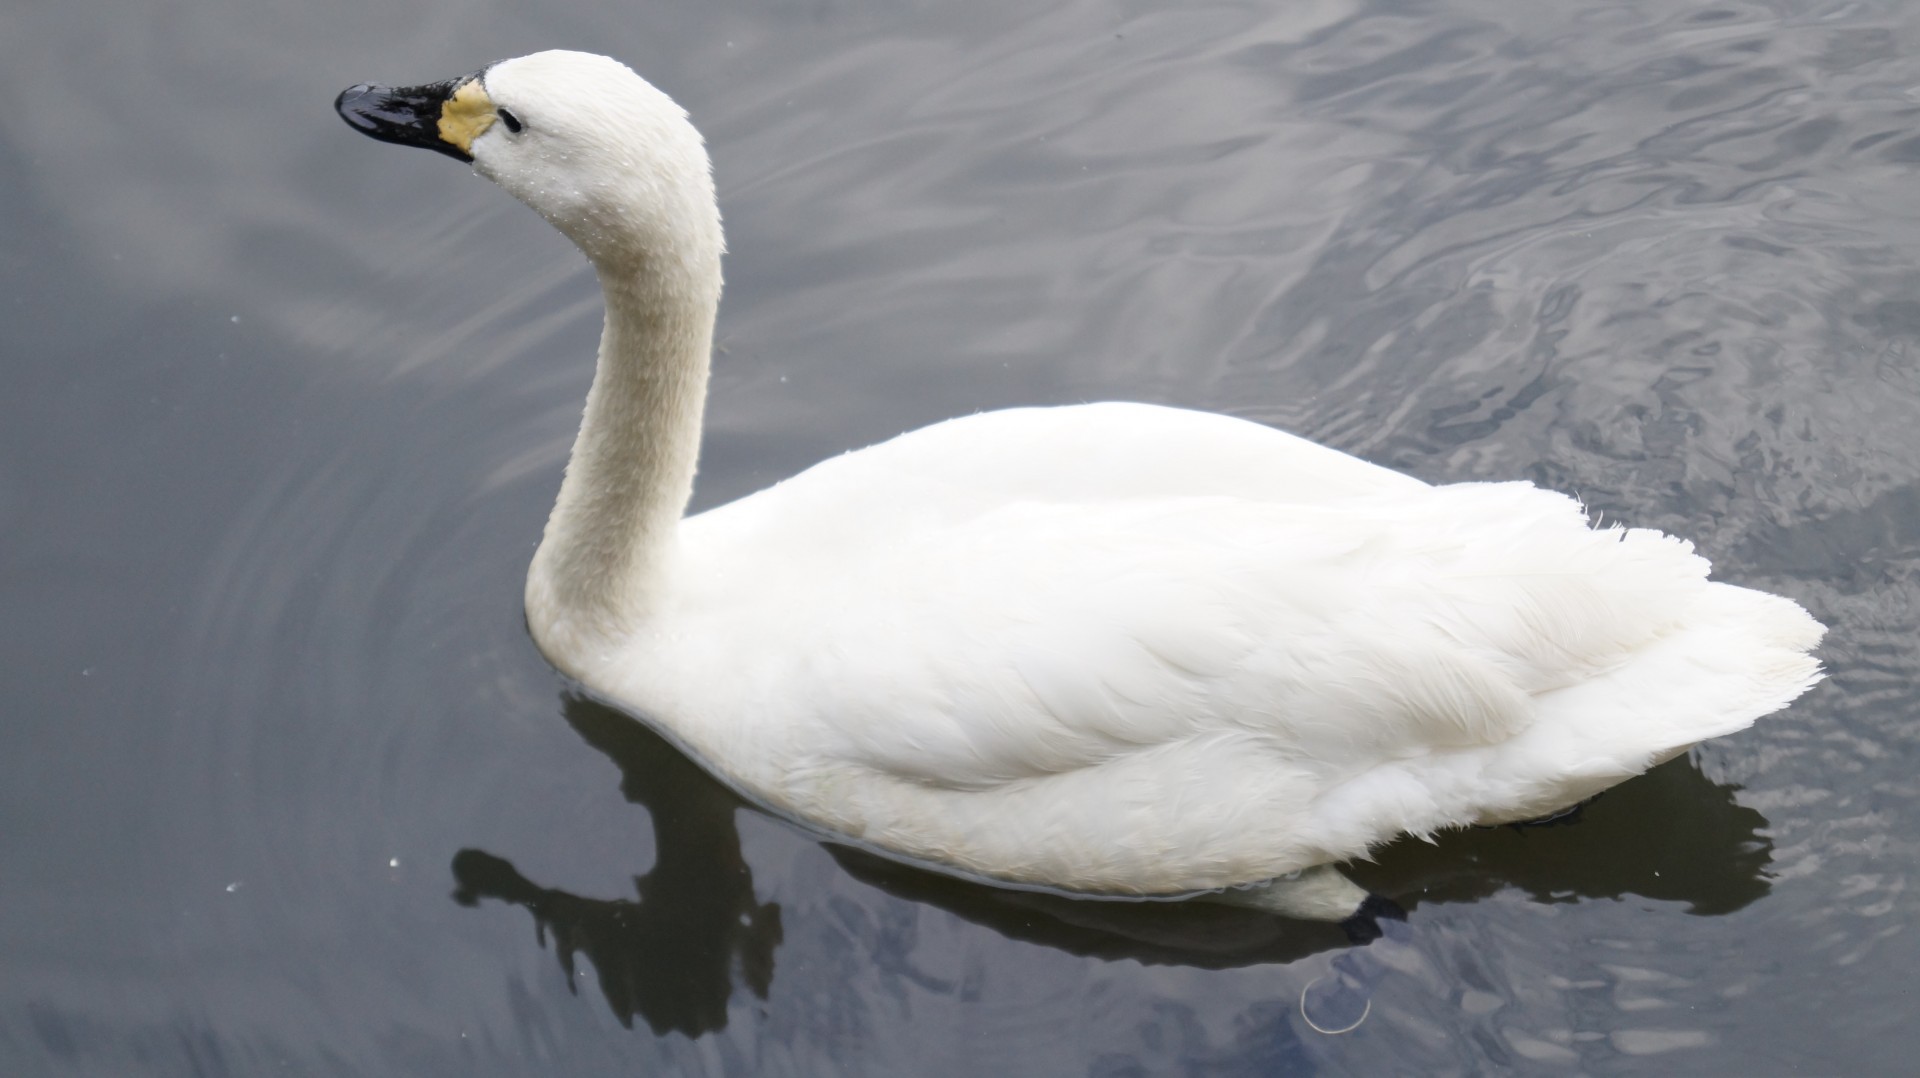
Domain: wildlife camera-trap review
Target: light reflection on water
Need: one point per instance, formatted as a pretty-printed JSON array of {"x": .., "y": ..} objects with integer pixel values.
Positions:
[{"x": 266, "y": 673}]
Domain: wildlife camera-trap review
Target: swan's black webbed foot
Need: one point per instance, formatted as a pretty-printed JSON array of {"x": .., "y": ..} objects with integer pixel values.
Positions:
[{"x": 1363, "y": 927}]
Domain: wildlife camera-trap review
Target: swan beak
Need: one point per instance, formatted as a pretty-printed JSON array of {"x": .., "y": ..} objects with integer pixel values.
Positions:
[{"x": 442, "y": 116}]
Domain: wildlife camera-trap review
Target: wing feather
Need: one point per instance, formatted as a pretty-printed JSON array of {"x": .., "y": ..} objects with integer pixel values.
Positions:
[{"x": 1047, "y": 639}]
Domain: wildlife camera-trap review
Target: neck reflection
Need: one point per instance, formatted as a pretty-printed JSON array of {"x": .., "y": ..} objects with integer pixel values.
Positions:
[{"x": 670, "y": 955}]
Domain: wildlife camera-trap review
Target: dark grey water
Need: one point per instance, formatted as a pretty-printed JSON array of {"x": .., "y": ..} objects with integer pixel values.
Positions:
[{"x": 285, "y": 789}]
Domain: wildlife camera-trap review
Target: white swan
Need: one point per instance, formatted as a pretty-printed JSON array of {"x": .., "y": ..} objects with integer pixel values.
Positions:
[{"x": 1114, "y": 648}]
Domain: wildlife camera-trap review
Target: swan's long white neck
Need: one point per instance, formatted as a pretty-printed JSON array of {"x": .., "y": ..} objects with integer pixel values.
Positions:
[{"x": 605, "y": 559}]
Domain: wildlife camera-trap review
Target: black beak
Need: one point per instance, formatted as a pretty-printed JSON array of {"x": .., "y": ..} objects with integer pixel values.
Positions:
[{"x": 405, "y": 115}]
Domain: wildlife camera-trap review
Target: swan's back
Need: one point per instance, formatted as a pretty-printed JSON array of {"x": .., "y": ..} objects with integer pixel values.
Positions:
[{"x": 1087, "y": 453}]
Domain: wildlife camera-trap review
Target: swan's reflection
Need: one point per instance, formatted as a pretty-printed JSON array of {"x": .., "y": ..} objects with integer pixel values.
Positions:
[
  {"x": 1671, "y": 835},
  {"x": 672, "y": 955}
]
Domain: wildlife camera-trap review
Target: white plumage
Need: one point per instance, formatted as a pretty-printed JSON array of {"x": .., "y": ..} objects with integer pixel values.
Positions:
[
  {"x": 1047, "y": 661},
  {"x": 1112, "y": 648}
]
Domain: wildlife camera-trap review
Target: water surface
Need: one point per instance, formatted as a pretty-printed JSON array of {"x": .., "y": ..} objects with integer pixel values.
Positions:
[{"x": 286, "y": 789}]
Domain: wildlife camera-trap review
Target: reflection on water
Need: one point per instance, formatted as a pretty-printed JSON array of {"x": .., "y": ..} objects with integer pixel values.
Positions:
[
  {"x": 1671, "y": 835},
  {"x": 670, "y": 956},
  {"x": 674, "y": 955},
  {"x": 1199, "y": 934}
]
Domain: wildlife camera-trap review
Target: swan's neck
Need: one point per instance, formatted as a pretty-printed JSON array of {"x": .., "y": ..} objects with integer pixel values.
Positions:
[{"x": 604, "y": 561}]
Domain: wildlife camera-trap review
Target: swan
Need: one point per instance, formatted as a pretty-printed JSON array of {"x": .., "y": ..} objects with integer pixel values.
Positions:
[{"x": 1109, "y": 649}]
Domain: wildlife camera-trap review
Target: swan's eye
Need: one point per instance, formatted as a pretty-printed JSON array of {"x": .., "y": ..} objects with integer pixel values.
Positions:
[{"x": 513, "y": 122}]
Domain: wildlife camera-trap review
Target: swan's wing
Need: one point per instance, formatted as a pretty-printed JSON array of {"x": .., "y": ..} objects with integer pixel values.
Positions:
[{"x": 1039, "y": 638}]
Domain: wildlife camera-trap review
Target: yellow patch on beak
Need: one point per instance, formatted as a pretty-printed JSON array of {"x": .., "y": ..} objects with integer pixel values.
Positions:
[{"x": 467, "y": 114}]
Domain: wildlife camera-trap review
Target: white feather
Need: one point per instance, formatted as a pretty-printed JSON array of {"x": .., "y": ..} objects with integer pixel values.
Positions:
[{"x": 1107, "y": 686}]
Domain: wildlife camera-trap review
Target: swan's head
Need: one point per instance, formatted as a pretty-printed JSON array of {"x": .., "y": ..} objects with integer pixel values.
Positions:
[{"x": 608, "y": 159}]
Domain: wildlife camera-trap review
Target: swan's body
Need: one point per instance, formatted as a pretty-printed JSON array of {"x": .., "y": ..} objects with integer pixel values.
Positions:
[{"x": 1111, "y": 648}]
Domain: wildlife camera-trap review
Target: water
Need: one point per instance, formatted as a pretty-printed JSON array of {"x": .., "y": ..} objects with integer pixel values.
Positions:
[{"x": 285, "y": 788}]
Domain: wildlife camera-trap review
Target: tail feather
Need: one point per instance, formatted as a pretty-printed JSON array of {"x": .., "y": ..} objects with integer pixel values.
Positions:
[
  {"x": 1737, "y": 655},
  {"x": 1741, "y": 655}
]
